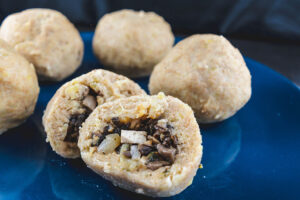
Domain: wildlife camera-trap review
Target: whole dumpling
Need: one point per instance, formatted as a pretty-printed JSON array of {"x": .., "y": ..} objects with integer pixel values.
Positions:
[
  {"x": 132, "y": 42},
  {"x": 47, "y": 39},
  {"x": 19, "y": 88},
  {"x": 206, "y": 72}
]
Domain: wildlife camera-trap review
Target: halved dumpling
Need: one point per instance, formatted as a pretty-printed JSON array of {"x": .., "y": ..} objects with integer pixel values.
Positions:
[
  {"x": 75, "y": 100},
  {"x": 146, "y": 144}
]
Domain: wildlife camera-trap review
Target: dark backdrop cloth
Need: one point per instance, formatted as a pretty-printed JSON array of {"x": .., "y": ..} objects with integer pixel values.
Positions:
[
  {"x": 266, "y": 30},
  {"x": 260, "y": 19}
]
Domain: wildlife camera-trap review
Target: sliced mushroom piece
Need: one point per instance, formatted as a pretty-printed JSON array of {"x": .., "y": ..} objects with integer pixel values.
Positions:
[
  {"x": 127, "y": 154},
  {"x": 154, "y": 156},
  {"x": 156, "y": 164},
  {"x": 144, "y": 149},
  {"x": 90, "y": 102},
  {"x": 133, "y": 137},
  {"x": 167, "y": 141},
  {"x": 167, "y": 153}
]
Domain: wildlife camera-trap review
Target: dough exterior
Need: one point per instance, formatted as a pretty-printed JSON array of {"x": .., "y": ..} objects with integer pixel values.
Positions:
[
  {"x": 47, "y": 39},
  {"x": 132, "y": 42},
  {"x": 19, "y": 88},
  {"x": 206, "y": 72}
]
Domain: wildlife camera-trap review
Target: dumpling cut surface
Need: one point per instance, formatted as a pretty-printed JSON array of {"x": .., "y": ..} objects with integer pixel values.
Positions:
[
  {"x": 146, "y": 144},
  {"x": 206, "y": 72},
  {"x": 47, "y": 39},
  {"x": 132, "y": 42},
  {"x": 19, "y": 88},
  {"x": 75, "y": 100}
]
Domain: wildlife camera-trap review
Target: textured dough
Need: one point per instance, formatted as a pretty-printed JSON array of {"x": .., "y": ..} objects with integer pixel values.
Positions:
[
  {"x": 19, "y": 88},
  {"x": 131, "y": 42},
  {"x": 164, "y": 181},
  {"x": 47, "y": 39},
  {"x": 67, "y": 102},
  {"x": 206, "y": 72}
]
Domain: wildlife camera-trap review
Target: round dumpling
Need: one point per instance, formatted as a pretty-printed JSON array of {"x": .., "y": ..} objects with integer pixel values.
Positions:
[
  {"x": 19, "y": 88},
  {"x": 132, "y": 42},
  {"x": 206, "y": 72},
  {"x": 47, "y": 39}
]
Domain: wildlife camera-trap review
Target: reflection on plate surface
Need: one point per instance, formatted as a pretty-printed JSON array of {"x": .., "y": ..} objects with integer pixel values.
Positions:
[
  {"x": 222, "y": 144},
  {"x": 253, "y": 155},
  {"x": 22, "y": 157}
]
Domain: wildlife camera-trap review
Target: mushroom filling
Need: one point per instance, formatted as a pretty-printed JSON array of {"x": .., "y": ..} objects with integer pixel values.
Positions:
[
  {"x": 89, "y": 103},
  {"x": 144, "y": 138}
]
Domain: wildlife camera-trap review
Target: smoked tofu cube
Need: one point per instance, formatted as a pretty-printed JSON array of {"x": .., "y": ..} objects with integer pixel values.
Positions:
[{"x": 133, "y": 137}]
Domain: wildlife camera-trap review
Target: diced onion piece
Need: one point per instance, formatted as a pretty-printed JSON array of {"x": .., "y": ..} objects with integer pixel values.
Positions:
[
  {"x": 90, "y": 102},
  {"x": 135, "y": 154},
  {"x": 133, "y": 137},
  {"x": 162, "y": 123},
  {"x": 109, "y": 144}
]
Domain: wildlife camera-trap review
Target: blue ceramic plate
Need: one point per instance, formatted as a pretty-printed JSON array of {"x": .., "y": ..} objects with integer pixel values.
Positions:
[{"x": 253, "y": 155}]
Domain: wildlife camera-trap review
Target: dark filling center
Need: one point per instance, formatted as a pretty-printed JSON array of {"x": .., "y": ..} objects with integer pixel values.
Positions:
[
  {"x": 76, "y": 120},
  {"x": 73, "y": 127},
  {"x": 160, "y": 147}
]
